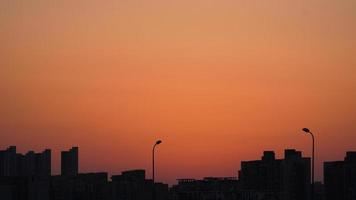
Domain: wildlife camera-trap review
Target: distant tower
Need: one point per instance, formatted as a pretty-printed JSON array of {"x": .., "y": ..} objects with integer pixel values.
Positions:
[
  {"x": 35, "y": 164},
  {"x": 8, "y": 164},
  {"x": 43, "y": 162},
  {"x": 339, "y": 178},
  {"x": 287, "y": 178},
  {"x": 69, "y": 162}
]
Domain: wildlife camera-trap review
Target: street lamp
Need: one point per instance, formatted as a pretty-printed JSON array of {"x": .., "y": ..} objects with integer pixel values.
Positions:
[
  {"x": 306, "y": 130},
  {"x": 153, "y": 169}
]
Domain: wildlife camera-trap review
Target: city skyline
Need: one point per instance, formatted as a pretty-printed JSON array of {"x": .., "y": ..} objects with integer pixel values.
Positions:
[
  {"x": 217, "y": 81},
  {"x": 70, "y": 163},
  {"x": 28, "y": 176},
  {"x": 55, "y": 161},
  {"x": 274, "y": 178}
]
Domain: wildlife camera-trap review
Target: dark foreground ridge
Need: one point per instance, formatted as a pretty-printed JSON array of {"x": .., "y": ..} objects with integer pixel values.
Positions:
[{"x": 28, "y": 177}]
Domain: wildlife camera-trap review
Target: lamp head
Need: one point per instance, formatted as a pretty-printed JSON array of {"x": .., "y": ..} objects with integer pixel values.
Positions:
[
  {"x": 158, "y": 142},
  {"x": 306, "y": 130}
]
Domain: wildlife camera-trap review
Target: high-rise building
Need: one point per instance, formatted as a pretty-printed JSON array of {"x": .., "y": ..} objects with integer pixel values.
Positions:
[
  {"x": 340, "y": 178},
  {"x": 43, "y": 163},
  {"x": 35, "y": 164},
  {"x": 24, "y": 176},
  {"x": 8, "y": 162},
  {"x": 30, "y": 164},
  {"x": 69, "y": 162},
  {"x": 287, "y": 178}
]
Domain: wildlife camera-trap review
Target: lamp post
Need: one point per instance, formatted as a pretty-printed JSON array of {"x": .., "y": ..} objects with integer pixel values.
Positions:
[
  {"x": 153, "y": 169},
  {"x": 306, "y": 130}
]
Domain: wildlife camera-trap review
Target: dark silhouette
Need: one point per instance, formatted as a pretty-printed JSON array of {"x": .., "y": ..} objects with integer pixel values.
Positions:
[
  {"x": 133, "y": 185},
  {"x": 306, "y": 130},
  {"x": 28, "y": 177},
  {"x": 69, "y": 162},
  {"x": 89, "y": 186},
  {"x": 287, "y": 178},
  {"x": 153, "y": 169},
  {"x": 208, "y": 188},
  {"x": 30, "y": 164},
  {"x": 340, "y": 178}
]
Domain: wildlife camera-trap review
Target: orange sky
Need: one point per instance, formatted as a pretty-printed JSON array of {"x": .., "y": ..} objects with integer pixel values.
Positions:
[{"x": 218, "y": 81}]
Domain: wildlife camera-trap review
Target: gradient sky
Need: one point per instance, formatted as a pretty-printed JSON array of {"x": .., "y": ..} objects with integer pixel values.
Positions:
[{"x": 218, "y": 81}]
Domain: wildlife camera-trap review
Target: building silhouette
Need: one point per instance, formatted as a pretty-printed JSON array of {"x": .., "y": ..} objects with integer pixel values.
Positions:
[
  {"x": 340, "y": 178},
  {"x": 133, "y": 185},
  {"x": 319, "y": 191},
  {"x": 28, "y": 177},
  {"x": 8, "y": 162},
  {"x": 87, "y": 186},
  {"x": 35, "y": 164},
  {"x": 69, "y": 162},
  {"x": 225, "y": 188},
  {"x": 287, "y": 179},
  {"x": 31, "y": 164}
]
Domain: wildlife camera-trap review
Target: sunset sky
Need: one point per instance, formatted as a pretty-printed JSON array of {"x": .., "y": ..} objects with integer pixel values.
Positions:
[{"x": 219, "y": 81}]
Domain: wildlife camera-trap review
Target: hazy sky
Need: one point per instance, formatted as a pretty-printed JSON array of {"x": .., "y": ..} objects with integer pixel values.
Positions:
[{"x": 218, "y": 81}]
